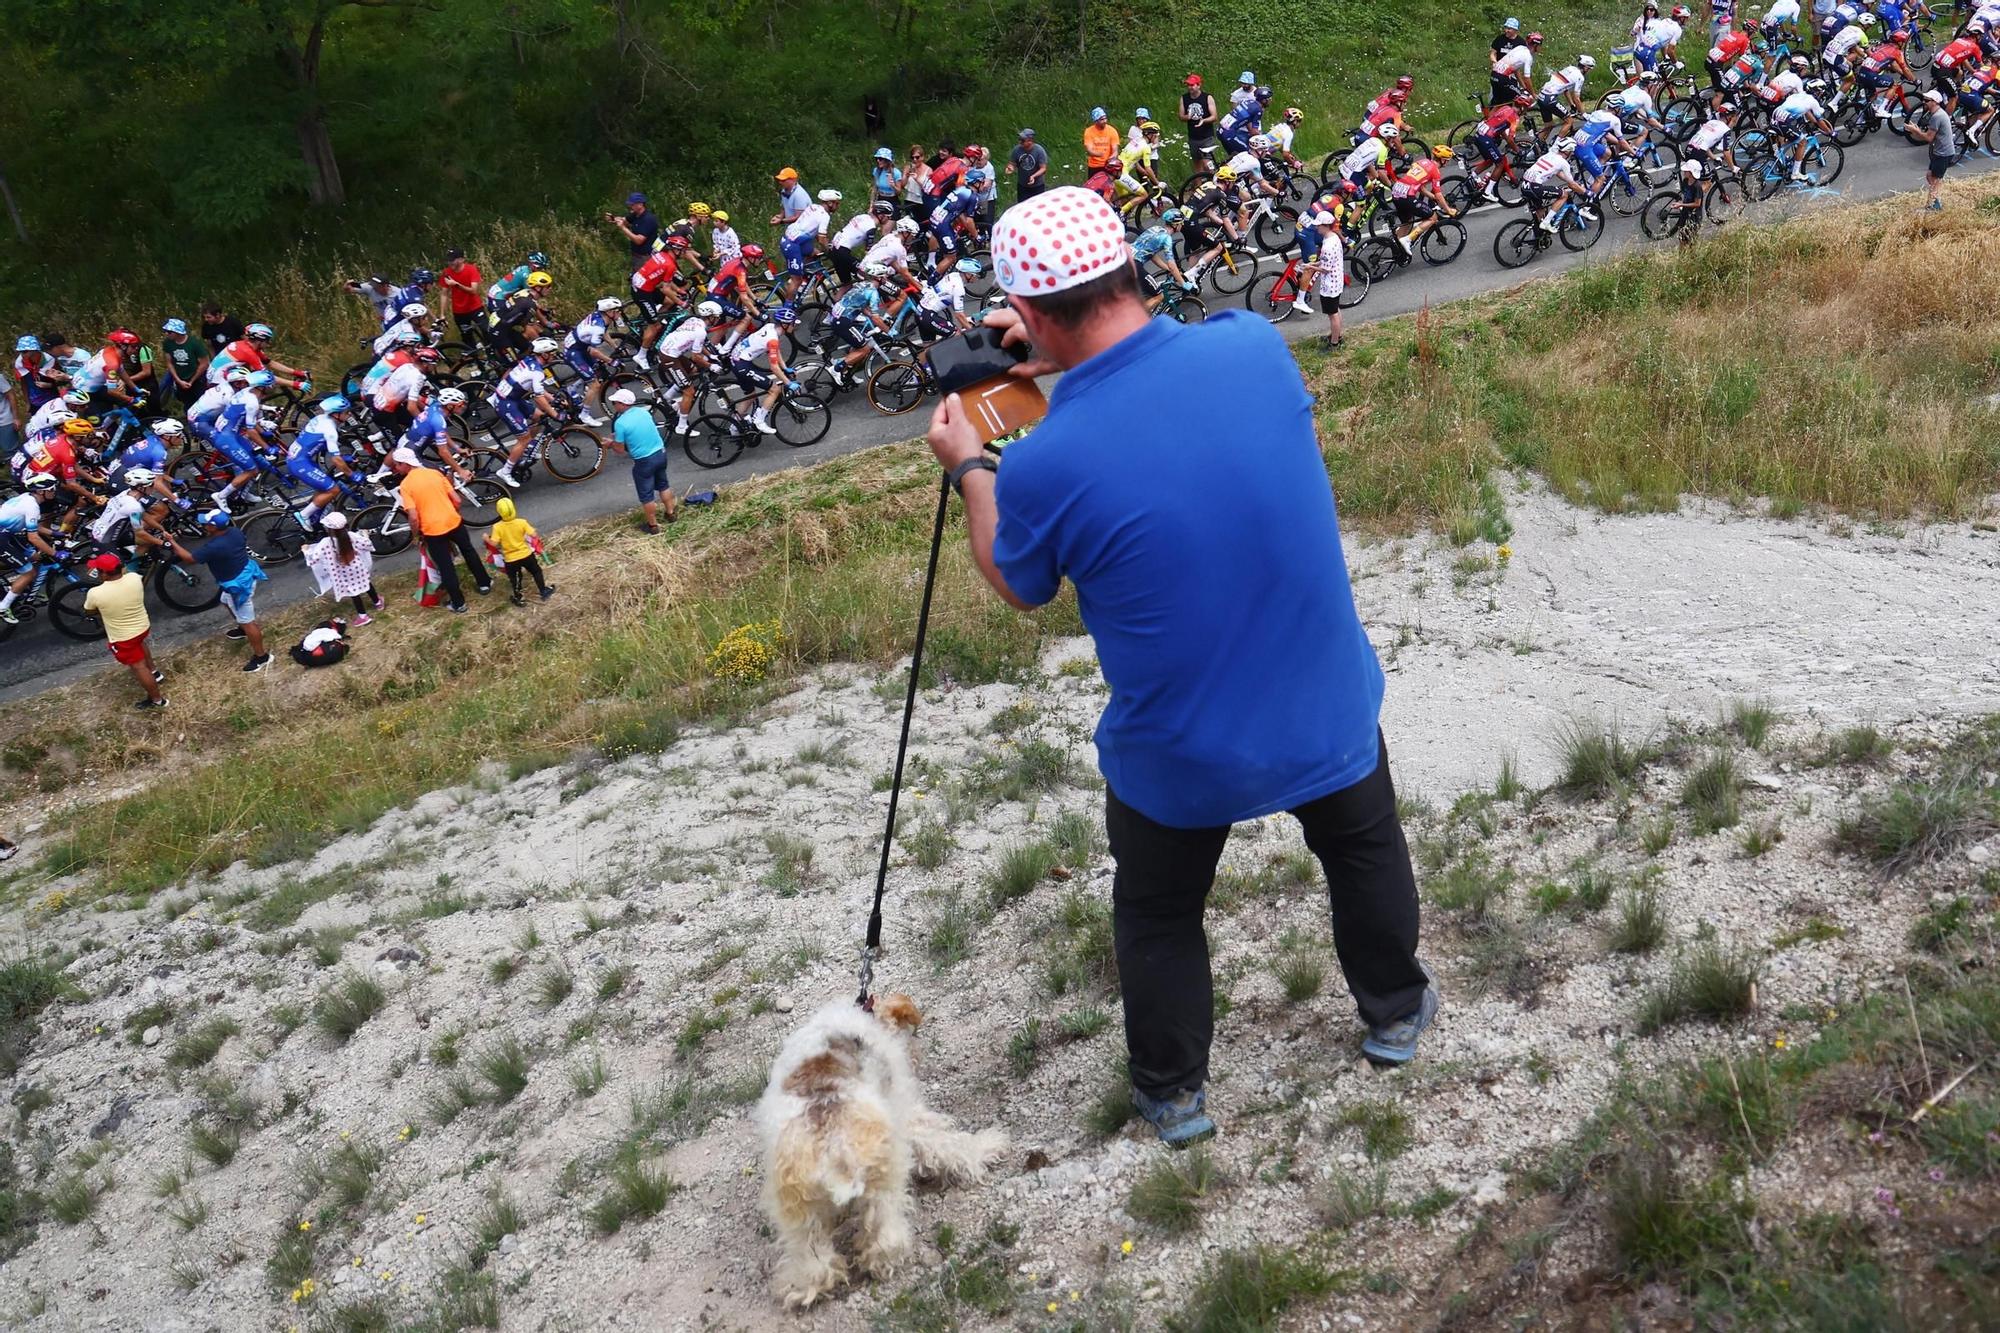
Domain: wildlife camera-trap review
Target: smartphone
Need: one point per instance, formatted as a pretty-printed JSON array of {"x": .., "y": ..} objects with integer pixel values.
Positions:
[{"x": 975, "y": 365}]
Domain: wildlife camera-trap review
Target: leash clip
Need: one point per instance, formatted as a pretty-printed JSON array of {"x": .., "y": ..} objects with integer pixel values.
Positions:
[{"x": 864, "y": 999}]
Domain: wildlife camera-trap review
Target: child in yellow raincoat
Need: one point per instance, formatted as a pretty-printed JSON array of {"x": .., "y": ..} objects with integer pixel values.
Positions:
[{"x": 519, "y": 546}]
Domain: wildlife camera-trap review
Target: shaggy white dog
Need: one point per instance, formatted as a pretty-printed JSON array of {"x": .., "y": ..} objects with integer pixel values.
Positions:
[{"x": 844, "y": 1127}]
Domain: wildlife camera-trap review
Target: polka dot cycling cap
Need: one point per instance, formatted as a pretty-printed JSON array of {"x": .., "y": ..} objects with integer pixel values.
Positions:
[{"x": 1055, "y": 241}]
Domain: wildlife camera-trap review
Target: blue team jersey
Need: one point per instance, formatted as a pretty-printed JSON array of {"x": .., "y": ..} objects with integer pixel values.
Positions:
[
  {"x": 863, "y": 296},
  {"x": 1152, "y": 241},
  {"x": 957, "y": 204},
  {"x": 146, "y": 451},
  {"x": 428, "y": 426},
  {"x": 320, "y": 434},
  {"x": 235, "y": 412}
]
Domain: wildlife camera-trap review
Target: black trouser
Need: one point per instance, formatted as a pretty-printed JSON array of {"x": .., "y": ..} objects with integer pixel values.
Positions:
[
  {"x": 1161, "y": 887},
  {"x": 471, "y": 327},
  {"x": 532, "y": 566},
  {"x": 363, "y": 605},
  {"x": 441, "y": 549}
]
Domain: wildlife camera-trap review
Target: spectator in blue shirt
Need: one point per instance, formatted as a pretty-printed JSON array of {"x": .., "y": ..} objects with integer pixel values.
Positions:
[
  {"x": 1203, "y": 545},
  {"x": 638, "y": 435}
]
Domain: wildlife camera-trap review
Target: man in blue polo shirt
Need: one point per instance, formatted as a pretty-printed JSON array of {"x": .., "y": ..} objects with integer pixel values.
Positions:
[
  {"x": 638, "y": 435},
  {"x": 1203, "y": 545}
]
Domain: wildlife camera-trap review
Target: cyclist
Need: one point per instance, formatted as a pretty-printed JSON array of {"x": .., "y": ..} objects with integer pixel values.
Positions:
[
  {"x": 129, "y": 517},
  {"x": 958, "y": 204},
  {"x": 1493, "y": 139},
  {"x": 1881, "y": 70},
  {"x": 656, "y": 285},
  {"x": 873, "y": 301},
  {"x": 1548, "y": 180},
  {"x": 1710, "y": 138},
  {"x": 893, "y": 248},
  {"x": 1831, "y": 19},
  {"x": 1781, "y": 20},
  {"x": 148, "y": 449},
  {"x": 104, "y": 375},
  {"x": 1245, "y": 119},
  {"x": 517, "y": 319},
  {"x": 253, "y": 350},
  {"x": 412, "y": 292},
  {"x": 1785, "y": 82},
  {"x": 1636, "y": 105},
  {"x": 845, "y": 247},
  {"x": 1418, "y": 197},
  {"x": 1977, "y": 101},
  {"x": 312, "y": 451},
  {"x": 1153, "y": 252},
  {"x": 1388, "y": 109},
  {"x": 1368, "y": 164},
  {"x": 1512, "y": 69},
  {"x": 941, "y": 301},
  {"x": 730, "y": 289},
  {"x": 25, "y": 533},
  {"x": 685, "y": 354},
  {"x": 1745, "y": 72},
  {"x": 51, "y": 415},
  {"x": 523, "y": 402},
  {"x": 1956, "y": 58},
  {"x": 1835, "y": 57},
  {"x": 56, "y": 454},
  {"x": 1137, "y": 181},
  {"x": 239, "y": 434},
  {"x": 1796, "y": 114},
  {"x": 1210, "y": 224},
  {"x": 1661, "y": 39},
  {"x": 1283, "y": 135},
  {"x": 1561, "y": 97},
  {"x": 758, "y": 363},
  {"x": 415, "y": 318},
  {"x": 1729, "y": 45},
  {"x": 516, "y": 278},
  {"x": 583, "y": 348},
  {"x": 205, "y": 410},
  {"x": 802, "y": 238},
  {"x": 430, "y": 429},
  {"x": 1198, "y": 113}
]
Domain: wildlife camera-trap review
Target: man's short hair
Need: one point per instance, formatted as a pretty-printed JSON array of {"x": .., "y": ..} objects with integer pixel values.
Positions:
[
  {"x": 211, "y": 307},
  {"x": 1078, "y": 305}
]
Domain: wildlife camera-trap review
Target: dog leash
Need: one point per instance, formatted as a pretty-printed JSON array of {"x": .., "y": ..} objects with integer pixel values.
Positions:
[{"x": 872, "y": 946}]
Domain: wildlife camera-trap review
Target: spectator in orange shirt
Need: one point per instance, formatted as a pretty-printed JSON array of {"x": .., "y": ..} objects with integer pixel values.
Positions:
[
  {"x": 432, "y": 505},
  {"x": 1100, "y": 152}
]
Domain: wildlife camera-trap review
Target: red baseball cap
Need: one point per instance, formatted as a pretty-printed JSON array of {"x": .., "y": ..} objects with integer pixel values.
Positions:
[
  {"x": 106, "y": 563},
  {"x": 1194, "y": 80}
]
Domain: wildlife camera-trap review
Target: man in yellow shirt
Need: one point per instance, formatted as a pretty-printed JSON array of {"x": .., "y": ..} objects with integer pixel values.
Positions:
[
  {"x": 119, "y": 600},
  {"x": 1100, "y": 151}
]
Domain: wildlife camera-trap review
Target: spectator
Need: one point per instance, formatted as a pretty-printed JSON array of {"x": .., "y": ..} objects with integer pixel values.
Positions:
[
  {"x": 977, "y": 158},
  {"x": 519, "y": 546},
  {"x": 916, "y": 182},
  {"x": 217, "y": 329},
  {"x": 343, "y": 565},
  {"x": 119, "y": 600},
  {"x": 1100, "y": 151},
  {"x": 237, "y": 573},
  {"x": 187, "y": 363},
  {"x": 1028, "y": 164},
  {"x": 10, "y": 427},
  {"x": 792, "y": 198},
  {"x": 460, "y": 281},
  {"x": 1198, "y": 111},
  {"x": 638, "y": 435},
  {"x": 639, "y": 226},
  {"x": 1934, "y": 128},
  {"x": 1193, "y": 740},
  {"x": 37, "y": 372},
  {"x": 432, "y": 505},
  {"x": 885, "y": 178}
]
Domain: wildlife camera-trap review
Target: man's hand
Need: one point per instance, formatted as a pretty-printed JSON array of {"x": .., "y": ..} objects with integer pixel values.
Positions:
[
  {"x": 952, "y": 437},
  {"x": 1009, "y": 321}
]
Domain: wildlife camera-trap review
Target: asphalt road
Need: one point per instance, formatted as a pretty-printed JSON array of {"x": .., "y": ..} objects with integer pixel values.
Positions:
[{"x": 37, "y": 658}]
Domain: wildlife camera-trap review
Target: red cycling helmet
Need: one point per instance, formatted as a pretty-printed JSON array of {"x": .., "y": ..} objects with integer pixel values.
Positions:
[
  {"x": 1524, "y": 99},
  {"x": 1680, "y": 14},
  {"x": 1398, "y": 96},
  {"x": 426, "y": 354},
  {"x": 1534, "y": 39},
  {"x": 1899, "y": 37},
  {"x": 1348, "y": 188},
  {"x": 1406, "y": 83},
  {"x": 122, "y": 337},
  {"x": 678, "y": 243},
  {"x": 753, "y": 251}
]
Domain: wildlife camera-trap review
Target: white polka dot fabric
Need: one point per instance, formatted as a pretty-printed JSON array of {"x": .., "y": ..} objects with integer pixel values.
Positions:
[{"x": 1055, "y": 241}]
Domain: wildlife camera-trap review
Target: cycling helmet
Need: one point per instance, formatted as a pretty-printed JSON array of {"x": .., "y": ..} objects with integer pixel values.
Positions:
[
  {"x": 536, "y": 259},
  {"x": 698, "y": 209},
  {"x": 422, "y": 277},
  {"x": 539, "y": 278},
  {"x": 972, "y": 268},
  {"x": 708, "y": 310},
  {"x": 1866, "y": 20},
  {"x": 908, "y": 225},
  {"x": 1225, "y": 174},
  {"x": 753, "y": 251},
  {"x": 1170, "y": 218},
  {"x": 168, "y": 429},
  {"x": 977, "y": 176},
  {"x": 1148, "y": 126},
  {"x": 607, "y": 305},
  {"x": 875, "y": 270},
  {"x": 333, "y": 405},
  {"x": 1534, "y": 39},
  {"x": 785, "y": 314},
  {"x": 830, "y": 196},
  {"x": 259, "y": 333},
  {"x": 36, "y": 481},
  {"x": 1524, "y": 99},
  {"x": 177, "y": 327},
  {"x": 409, "y": 338},
  {"x": 77, "y": 398},
  {"x": 1263, "y": 92},
  {"x": 1614, "y": 101},
  {"x": 139, "y": 478},
  {"x": 1442, "y": 153},
  {"x": 262, "y": 379},
  {"x": 427, "y": 355},
  {"x": 882, "y": 206},
  {"x": 1348, "y": 188},
  {"x": 1681, "y": 14},
  {"x": 677, "y": 243},
  {"x": 1899, "y": 37},
  {"x": 1259, "y": 142},
  {"x": 1293, "y": 115},
  {"x": 1404, "y": 83},
  {"x": 1649, "y": 76},
  {"x": 1565, "y": 145},
  {"x": 451, "y": 398},
  {"x": 28, "y": 342},
  {"x": 1801, "y": 63},
  {"x": 78, "y": 426},
  {"x": 543, "y": 346},
  {"x": 1388, "y": 131},
  {"x": 1397, "y": 97},
  {"x": 122, "y": 337},
  {"x": 1586, "y": 62},
  {"x": 415, "y": 310},
  {"x": 237, "y": 374}
]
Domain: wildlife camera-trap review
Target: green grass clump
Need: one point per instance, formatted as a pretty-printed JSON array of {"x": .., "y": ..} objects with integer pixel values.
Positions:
[
  {"x": 216, "y": 1145},
  {"x": 1300, "y": 974},
  {"x": 1661, "y": 1222},
  {"x": 288, "y": 902},
  {"x": 638, "y": 1190},
  {"x": 553, "y": 985},
  {"x": 952, "y": 932},
  {"x": 1022, "y": 866},
  {"x": 1596, "y": 759},
  {"x": 1170, "y": 1194},
  {"x": 1641, "y": 926},
  {"x": 1941, "y": 928},
  {"x": 200, "y": 1046},
  {"x": 1083, "y": 1024},
  {"x": 1710, "y": 793},
  {"x": 505, "y": 1069},
  {"x": 1752, "y": 720},
  {"x": 1077, "y": 838},
  {"x": 443, "y": 1102},
  {"x": 1471, "y": 884},
  {"x": 349, "y": 1172},
  {"x": 1024, "y": 1047},
  {"x": 1349, "y": 1200},
  {"x": 1248, "y": 1291},
  {"x": 1859, "y": 745},
  {"x": 1712, "y": 982},
  {"x": 291, "y": 1260},
  {"x": 1922, "y": 819},
  {"x": 343, "y": 1007},
  {"x": 791, "y": 869},
  {"x": 73, "y": 1198},
  {"x": 929, "y": 844},
  {"x": 1385, "y": 1128}
]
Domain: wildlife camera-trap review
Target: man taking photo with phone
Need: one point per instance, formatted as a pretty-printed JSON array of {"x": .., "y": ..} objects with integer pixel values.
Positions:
[{"x": 1242, "y": 682}]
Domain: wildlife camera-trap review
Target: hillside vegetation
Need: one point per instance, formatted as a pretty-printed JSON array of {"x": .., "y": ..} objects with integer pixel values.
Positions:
[{"x": 452, "y": 119}]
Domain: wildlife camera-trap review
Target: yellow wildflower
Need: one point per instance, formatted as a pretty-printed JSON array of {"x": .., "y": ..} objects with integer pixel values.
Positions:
[
  {"x": 421, "y": 1217},
  {"x": 346, "y": 1134},
  {"x": 1075, "y": 1297},
  {"x": 1505, "y": 553},
  {"x": 1779, "y": 1041},
  {"x": 1053, "y": 1307},
  {"x": 1125, "y": 1248},
  {"x": 306, "y": 1226},
  {"x": 386, "y": 1274},
  {"x": 356, "y": 1263}
]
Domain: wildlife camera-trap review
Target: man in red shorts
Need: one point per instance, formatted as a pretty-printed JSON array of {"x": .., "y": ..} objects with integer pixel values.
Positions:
[{"x": 120, "y": 602}]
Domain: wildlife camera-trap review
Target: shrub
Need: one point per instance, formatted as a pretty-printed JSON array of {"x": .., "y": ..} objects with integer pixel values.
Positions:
[
  {"x": 1596, "y": 759},
  {"x": 344, "y": 1006},
  {"x": 1170, "y": 1194}
]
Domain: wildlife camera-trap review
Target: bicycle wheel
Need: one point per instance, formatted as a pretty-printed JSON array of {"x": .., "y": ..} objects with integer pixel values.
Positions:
[
  {"x": 806, "y": 334},
  {"x": 1507, "y": 189},
  {"x": 637, "y": 382},
  {"x": 273, "y": 536},
  {"x": 387, "y": 526},
  {"x": 714, "y": 441},
  {"x": 1823, "y": 162},
  {"x": 1460, "y": 131},
  {"x": 895, "y": 388},
  {"x": 1681, "y": 117},
  {"x": 1376, "y": 258},
  {"x": 1725, "y": 199},
  {"x": 1273, "y": 293},
  {"x": 573, "y": 453},
  {"x": 1459, "y": 196},
  {"x": 1850, "y": 124},
  {"x": 1354, "y": 289},
  {"x": 1442, "y": 243},
  {"x": 1658, "y": 217},
  {"x": 1516, "y": 243},
  {"x": 1232, "y": 272},
  {"x": 480, "y": 502},
  {"x": 815, "y": 378},
  {"x": 66, "y": 613},
  {"x": 186, "y": 588},
  {"x": 1659, "y": 164},
  {"x": 1581, "y": 228},
  {"x": 1624, "y": 193},
  {"x": 801, "y": 419},
  {"x": 1277, "y": 229}
]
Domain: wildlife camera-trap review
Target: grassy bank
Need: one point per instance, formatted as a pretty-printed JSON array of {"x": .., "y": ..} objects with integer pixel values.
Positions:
[{"x": 1422, "y": 420}]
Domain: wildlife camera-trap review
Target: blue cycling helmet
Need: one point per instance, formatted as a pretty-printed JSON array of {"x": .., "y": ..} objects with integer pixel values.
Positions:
[
  {"x": 971, "y": 268},
  {"x": 262, "y": 379},
  {"x": 27, "y": 342},
  {"x": 785, "y": 314},
  {"x": 259, "y": 331},
  {"x": 976, "y": 176},
  {"x": 333, "y": 404},
  {"x": 177, "y": 327},
  {"x": 884, "y": 155},
  {"x": 422, "y": 277},
  {"x": 536, "y": 259}
]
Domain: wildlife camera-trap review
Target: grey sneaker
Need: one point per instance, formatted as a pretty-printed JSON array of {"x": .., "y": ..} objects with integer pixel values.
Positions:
[
  {"x": 1396, "y": 1043},
  {"x": 1180, "y": 1119}
]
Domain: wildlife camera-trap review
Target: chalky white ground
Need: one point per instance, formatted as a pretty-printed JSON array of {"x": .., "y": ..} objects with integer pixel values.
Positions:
[{"x": 1642, "y": 617}]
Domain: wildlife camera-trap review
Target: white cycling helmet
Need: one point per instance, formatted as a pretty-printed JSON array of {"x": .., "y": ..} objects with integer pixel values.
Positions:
[
  {"x": 38, "y": 481},
  {"x": 451, "y": 398},
  {"x": 1614, "y": 101},
  {"x": 607, "y": 305},
  {"x": 77, "y": 398},
  {"x": 1867, "y": 20},
  {"x": 1388, "y": 130},
  {"x": 139, "y": 478},
  {"x": 909, "y": 226},
  {"x": 237, "y": 374},
  {"x": 1259, "y": 142},
  {"x": 874, "y": 270},
  {"x": 708, "y": 310},
  {"x": 1586, "y": 62},
  {"x": 415, "y": 310},
  {"x": 543, "y": 346},
  {"x": 60, "y": 414},
  {"x": 168, "y": 429},
  {"x": 1565, "y": 145},
  {"x": 829, "y": 196}
]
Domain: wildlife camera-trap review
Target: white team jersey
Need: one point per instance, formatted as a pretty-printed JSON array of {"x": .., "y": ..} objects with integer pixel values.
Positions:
[
  {"x": 1788, "y": 83},
  {"x": 1548, "y": 168},
  {"x": 120, "y": 508},
  {"x": 1519, "y": 61},
  {"x": 947, "y": 293},
  {"x": 1600, "y": 123},
  {"x": 1800, "y": 104},
  {"x": 396, "y": 390},
  {"x": 1282, "y": 135},
  {"x": 1247, "y": 164},
  {"x": 1711, "y": 133},
  {"x": 888, "y": 252},
  {"x": 1568, "y": 79},
  {"x": 1844, "y": 41},
  {"x": 20, "y": 513},
  {"x": 688, "y": 337},
  {"x": 813, "y": 222},
  {"x": 1639, "y": 103},
  {"x": 756, "y": 348},
  {"x": 524, "y": 377},
  {"x": 212, "y": 400},
  {"x": 854, "y": 231},
  {"x": 48, "y": 415},
  {"x": 1783, "y": 11},
  {"x": 590, "y": 331},
  {"x": 393, "y": 332},
  {"x": 1365, "y": 155},
  {"x": 1660, "y": 34}
]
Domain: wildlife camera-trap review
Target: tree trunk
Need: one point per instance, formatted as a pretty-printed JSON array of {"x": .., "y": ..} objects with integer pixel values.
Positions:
[
  {"x": 323, "y": 183},
  {"x": 13, "y": 209},
  {"x": 1082, "y": 12}
]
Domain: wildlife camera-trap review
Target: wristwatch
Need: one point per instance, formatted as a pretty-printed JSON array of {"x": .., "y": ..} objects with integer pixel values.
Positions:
[{"x": 978, "y": 462}]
